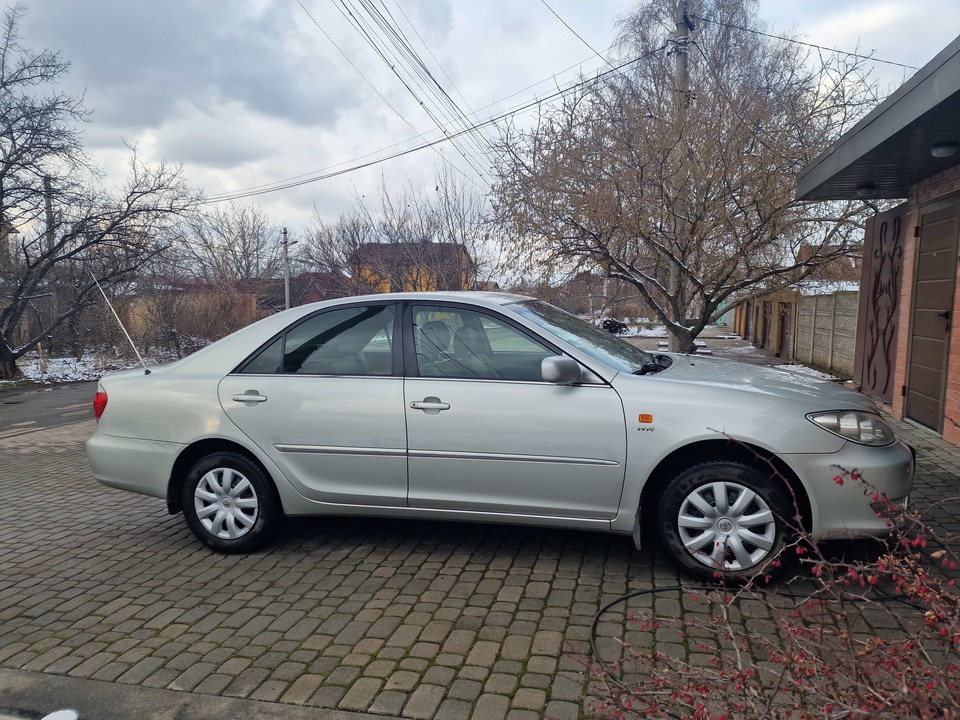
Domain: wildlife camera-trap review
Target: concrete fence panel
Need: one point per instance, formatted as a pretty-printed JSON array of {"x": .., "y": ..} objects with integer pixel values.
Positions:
[{"x": 826, "y": 332}]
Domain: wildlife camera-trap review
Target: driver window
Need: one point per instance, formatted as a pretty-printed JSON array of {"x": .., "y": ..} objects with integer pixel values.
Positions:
[{"x": 458, "y": 343}]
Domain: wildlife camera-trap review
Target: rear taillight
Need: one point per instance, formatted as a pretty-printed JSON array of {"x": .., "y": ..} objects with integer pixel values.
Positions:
[{"x": 99, "y": 403}]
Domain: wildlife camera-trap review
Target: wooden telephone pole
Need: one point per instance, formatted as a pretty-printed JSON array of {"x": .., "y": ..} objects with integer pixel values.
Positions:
[{"x": 681, "y": 79}]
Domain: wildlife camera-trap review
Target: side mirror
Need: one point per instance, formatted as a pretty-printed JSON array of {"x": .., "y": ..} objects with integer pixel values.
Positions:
[{"x": 560, "y": 369}]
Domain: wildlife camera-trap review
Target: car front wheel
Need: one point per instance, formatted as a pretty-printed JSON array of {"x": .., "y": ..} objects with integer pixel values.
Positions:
[
  {"x": 724, "y": 520},
  {"x": 229, "y": 503}
]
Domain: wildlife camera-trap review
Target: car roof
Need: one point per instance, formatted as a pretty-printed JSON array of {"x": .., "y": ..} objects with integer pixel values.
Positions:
[{"x": 496, "y": 298}]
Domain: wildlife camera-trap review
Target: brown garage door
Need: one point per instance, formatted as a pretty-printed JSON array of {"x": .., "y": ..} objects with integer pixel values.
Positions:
[{"x": 931, "y": 315}]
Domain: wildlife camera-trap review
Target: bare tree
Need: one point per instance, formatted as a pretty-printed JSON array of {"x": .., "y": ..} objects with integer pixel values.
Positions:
[
  {"x": 414, "y": 240},
  {"x": 233, "y": 243},
  {"x": 329, "y": 247},
  {"x": 60, "y": 227},
  {"x": 686, "y": 192},
  {"x": 462, "y": 216},
  {"x": 97, "y": 237}
]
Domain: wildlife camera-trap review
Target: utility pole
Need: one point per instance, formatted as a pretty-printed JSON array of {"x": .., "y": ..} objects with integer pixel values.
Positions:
[
  {"x": 48, "y": 202},
  {"x": 286, "y": 268},
  {"x": 681, "y": 98},
  {"x": 681, "y": 75}
]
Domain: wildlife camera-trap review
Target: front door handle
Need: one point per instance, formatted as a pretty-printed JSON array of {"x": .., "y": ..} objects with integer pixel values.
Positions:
[
  {"x": 430, "y": 405},
  {"x": 250, "y": 398}
]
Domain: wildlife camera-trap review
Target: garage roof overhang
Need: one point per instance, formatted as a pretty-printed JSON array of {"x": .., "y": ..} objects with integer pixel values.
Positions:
[{"x": 889, "y": 151}]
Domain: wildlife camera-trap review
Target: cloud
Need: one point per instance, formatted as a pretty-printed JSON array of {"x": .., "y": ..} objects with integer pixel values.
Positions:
[
  {"x": 140, "y": 61},
  {"x": 220, "y": 138},
  {"x": 249, "y": 92},
  {"x": 893, "y": 30},
  {"x": 433, "y": 20}
]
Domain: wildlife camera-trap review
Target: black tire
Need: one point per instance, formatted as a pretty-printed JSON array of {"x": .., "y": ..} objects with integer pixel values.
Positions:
[
  {"x": 741, "y": 540},
  {"x": 230, "y": 504}
]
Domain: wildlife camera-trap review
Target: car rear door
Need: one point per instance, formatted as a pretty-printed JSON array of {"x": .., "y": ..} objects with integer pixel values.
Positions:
[
  {"x": 322, "y": 400},
  {"x": 487, "y": 434}
]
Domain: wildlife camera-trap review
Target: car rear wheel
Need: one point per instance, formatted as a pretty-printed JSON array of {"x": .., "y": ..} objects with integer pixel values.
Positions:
[
  {"x": 229, "y": 503},
  {"x": 724, "y": 520}
]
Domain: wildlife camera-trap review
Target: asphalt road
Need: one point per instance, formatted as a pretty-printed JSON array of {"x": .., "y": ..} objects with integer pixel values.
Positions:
[{"x": 27, "y": 409}]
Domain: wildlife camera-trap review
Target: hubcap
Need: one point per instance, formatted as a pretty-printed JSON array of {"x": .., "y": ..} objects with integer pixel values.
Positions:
[
  {"x": 726, "y": 526},
  {"x": 226, "y": 503}
]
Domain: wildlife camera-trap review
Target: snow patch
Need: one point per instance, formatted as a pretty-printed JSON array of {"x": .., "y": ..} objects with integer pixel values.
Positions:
[
  {"x": 90, "y": 366},
  {"x": 827, "y": 287},
  {"x": 657, "y": 331},
  {"x": 804, "y": 370}
]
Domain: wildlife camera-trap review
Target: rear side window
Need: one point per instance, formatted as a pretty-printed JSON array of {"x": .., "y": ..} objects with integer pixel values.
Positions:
[
  {"x": 270, "y": 360},
  {"x": 347, "y": 341}
]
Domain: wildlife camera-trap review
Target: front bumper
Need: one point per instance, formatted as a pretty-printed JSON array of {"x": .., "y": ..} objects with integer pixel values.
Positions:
[{"x": 843, "y": 509}]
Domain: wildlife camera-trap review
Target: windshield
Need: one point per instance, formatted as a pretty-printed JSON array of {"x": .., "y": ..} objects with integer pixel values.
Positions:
[{"x": 597, "y": 343}]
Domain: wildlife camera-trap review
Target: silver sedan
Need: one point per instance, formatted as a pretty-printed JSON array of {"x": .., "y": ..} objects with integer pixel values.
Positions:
[{"x": 495, "y": 408}]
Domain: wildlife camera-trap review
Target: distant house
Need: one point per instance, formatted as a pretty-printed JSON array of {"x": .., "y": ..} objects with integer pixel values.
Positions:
[
  {"x": 908, "y": 328},
  {"x": 308, "y": 287},
  {"x": 588, "y": 293},
  {"x": 318, "y": 286},
  {"x": 413, "y": 266},
  {"x": 842, "y": 270}
]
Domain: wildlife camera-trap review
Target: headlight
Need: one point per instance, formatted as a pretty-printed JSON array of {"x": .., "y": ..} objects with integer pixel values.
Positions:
[{"x": 859, "y": 427}]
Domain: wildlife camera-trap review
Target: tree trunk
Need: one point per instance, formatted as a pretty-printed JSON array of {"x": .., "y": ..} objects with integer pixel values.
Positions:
[
  {"x": 681, "y": 340},
  {"x": 8, "y": 363}
]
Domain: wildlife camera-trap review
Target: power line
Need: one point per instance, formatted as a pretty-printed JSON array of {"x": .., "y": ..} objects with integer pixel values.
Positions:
[
  {"x": 438, "y": 63},
  {"x": 394, "y": 63},
  {"x": 578, "y": 35},
  {"x": 801, "y": 42},
  {"x": 216, "y": 197},
  {"x": 474, "y": 114},
  {"x": 541, "y": 82},
  {"x": 380, "y": 95},
  {"x": 446, "y": 104},
  {"x": 329, "y": 173},
  {"x": 404, "y": 57}
]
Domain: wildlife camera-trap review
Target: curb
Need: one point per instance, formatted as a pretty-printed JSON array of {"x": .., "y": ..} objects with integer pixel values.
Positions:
[{"x": 32, "y": 695}]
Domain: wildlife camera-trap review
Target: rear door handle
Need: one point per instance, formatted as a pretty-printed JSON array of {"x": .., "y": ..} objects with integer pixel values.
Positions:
[{"x": 250, "y": 398}]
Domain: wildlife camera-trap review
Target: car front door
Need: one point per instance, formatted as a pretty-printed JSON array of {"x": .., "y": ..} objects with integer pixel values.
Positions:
[
  {"x": 487, "y": 434},
  {"x": 322, "y": 400}
]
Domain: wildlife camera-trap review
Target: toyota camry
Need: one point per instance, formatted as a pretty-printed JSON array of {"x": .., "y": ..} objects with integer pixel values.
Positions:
[{"x": 495, "y": 408}]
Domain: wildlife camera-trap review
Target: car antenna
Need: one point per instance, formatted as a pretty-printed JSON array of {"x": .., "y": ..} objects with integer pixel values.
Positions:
[{"x": 146, "y": 370}]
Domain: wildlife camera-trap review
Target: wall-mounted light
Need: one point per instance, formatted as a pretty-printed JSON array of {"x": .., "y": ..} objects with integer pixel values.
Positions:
[
  {"x": 866, "y": 190},
  {"x": 944, "y": 149}
]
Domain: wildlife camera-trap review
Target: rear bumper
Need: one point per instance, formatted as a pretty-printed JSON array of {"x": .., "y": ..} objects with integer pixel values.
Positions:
[{"x": 140, "y": 466}]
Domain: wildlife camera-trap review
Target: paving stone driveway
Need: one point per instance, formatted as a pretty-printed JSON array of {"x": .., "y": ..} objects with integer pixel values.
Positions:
[{"x": 412, "y": 619}]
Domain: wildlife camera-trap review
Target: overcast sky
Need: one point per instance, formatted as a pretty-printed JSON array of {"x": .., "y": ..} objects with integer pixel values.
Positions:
[{"x": 245, "y": 93}]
